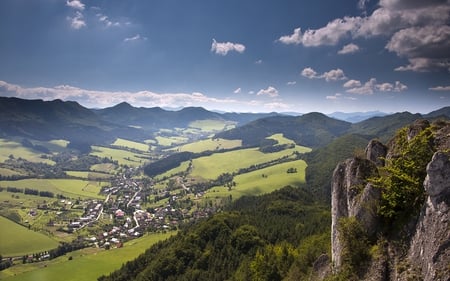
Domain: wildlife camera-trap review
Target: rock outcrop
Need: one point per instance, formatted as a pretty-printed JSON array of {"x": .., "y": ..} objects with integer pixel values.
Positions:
[{"x": 422, "y": 250}]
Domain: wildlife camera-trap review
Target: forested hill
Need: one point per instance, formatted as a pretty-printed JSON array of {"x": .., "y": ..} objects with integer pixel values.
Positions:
[
  {"x": 270, "y": 237},
  {"x": 318, "y": 130},
  {"x": 156, "y": 118},
  {"x": 312, "y": 129}
]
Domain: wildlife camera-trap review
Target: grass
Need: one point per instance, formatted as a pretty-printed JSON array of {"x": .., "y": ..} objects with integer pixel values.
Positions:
[
  {"x": 7, "y": 172},
  {"x": 281, "y": 139},
  {"x": 211, "y": 125},
  {"x": 211, "y": 144},
  {"x": 17, "y": 150},
  {"x": 253, "y": 183},
  {"x": 169, "y": 141},
  {"x": 17, "y": 240},
  {"x": 103, "y": 168},
  {"x": 131, "y": 144},
  {"x": 123, "y": 157},
  {"x": 211, "y": 167},
  {"x": 89, "y": 175},
  {"x": 72, "y": 188},
  {"x": 86, "y": 264}
]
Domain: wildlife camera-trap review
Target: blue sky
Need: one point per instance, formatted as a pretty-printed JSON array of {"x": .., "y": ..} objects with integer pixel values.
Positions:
[{"x": 234, "y": 55}]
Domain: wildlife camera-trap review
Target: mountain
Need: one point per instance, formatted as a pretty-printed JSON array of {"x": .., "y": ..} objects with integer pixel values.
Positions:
[
  {"x": 443, "y": 112},
  {"x": 312, "y": 129},
  {"x": 157, "y": 118},
  {"x": 355, "y": 117},
  {"x": 46, "y": 120}
]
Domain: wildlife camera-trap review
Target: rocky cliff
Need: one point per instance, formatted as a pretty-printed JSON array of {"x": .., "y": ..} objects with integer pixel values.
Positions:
[{"x": 382, "y": 229}]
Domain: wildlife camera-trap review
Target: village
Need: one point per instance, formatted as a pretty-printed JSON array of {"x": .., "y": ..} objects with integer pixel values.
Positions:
[{"x": 123, "y": 206}]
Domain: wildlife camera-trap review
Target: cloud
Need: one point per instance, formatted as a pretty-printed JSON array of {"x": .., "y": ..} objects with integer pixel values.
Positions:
[
  {"x": 355, "y": 87},
  {"x": 258, "y": 62},
  {"x": 75, "y": 4},
  {"x": 426, "y": 47},
  {"x": 276, "y": 106},
  {"x": 92, "y": 98},
  {"x": 309, "y": 73},
  {"x": 291, "y": 83},
  {"x": 352, "y": 84},
  {"x": 270, "y": 91},
  {"x": 137, "y": 37},
  {"x": 349, "y": 49},
  {"x": 415, "y": 29},
  {"x": 440, "y": 88},
  {"x": 328, "y": 35},
  {"x": 334, "y": 97},
  {"x": 332, "y": 75},
  {"x": 237, "y": 91},
  {"x": 106, "y": 21},
  {"x": 77, "y": 21},
  {"x": 224, "y": 48}
]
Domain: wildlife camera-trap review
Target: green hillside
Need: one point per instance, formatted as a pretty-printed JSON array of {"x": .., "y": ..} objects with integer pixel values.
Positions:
[{"x": 17, "y": 240}]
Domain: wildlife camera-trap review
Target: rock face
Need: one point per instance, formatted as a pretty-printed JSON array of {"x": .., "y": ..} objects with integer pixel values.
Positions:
[
  {"x": 424, "y": 250},
  {"x": 352, "y": 196},
  {"x": 429, "y": 251}
]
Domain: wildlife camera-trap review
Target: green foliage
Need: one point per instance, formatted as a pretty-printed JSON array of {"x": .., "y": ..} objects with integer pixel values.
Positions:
[
  {"x": 355, "y": 244},
  {"x": 402, "y": 177},
  {"x": 258, "y": 238}
]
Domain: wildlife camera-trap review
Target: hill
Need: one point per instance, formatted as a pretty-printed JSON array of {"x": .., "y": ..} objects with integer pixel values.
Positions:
[
  {"x": 312, "y": 129},
  {"x": 47, "y": 120},
  {"x": 157, "y": 118}
]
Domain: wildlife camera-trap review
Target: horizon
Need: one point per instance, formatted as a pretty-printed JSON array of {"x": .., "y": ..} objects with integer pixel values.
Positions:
[{"x": 233, "y": 56}]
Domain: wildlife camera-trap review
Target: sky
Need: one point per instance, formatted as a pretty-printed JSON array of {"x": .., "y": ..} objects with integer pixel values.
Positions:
[{"x": 233, "y": 55}]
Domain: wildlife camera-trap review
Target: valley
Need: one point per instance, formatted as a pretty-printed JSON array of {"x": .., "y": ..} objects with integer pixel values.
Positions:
[{"x": 104, "y": 184}]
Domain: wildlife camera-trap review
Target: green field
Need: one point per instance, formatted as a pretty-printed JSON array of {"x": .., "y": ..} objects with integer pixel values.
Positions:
[
  {"x": 169, "y": 141},
  {"x": 211, "y": 125},
  {"x": 87, "y": 264},
  {"x": 132, "y": 144},
  {"x": 89, "y": 175},
  {"x": 17, "y": 240},
  {"x": 16, "y": 149},
  {"x": 123, "y": 157},
  {"x": 211, "y": 167},
  {"x": 103, "y": 168},
  {"x": 7, "y": 172},
  {"x": 254, "y": 183},
  {"x": 210, "y": 144},
  {"x": 72, "y": 188}
]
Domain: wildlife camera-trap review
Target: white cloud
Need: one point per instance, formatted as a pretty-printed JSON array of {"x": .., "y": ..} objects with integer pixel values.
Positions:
[
  {"x": 291, "y": 83},
  {"x": 270, "y": 91},
  {"x": 309, "y": 73},
  {"x": 77, "y": 21},
  {"x": 237, "y": 91},
  {"x": 349, "y": 49},
  {"x": 106, "y": 21},
  {"x": 224, "y": 48},
  {"x": 295, "y": 38},
  {"x": 416, "y": 28},
  {"x": 352, "y": 84},
  {"x": 334, "y": 97},
  {"x": 259, "y": 62},
  {"x": 440, "y": 88},
  {"x": 75, "y": 4},
  {"x": 137, "y": 37},
  {"x": 277, "y": 106},
  {"x": 355, "y": 87},
  {"x": 332, "y": 75},
  {"x": 92, "y": 98}
]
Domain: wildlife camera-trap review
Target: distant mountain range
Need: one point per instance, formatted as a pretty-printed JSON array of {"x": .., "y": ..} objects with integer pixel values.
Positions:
[{"x": 45, "y": 120}]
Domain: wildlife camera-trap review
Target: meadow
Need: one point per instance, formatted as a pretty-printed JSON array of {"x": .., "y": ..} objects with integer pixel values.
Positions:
[
  {"x": 262, "y": 181},
  {"x": 86, "y": 264},
  {"x": 211, "y": 125},
  {"x": 211, "y": 145},
  {"x": 131, "y": 144},
  {"x": 89, "y": 175},
  {"x": 211, "y": 167},
  {"x": 17, "y": 150},
  {"x": 17, "y": 240},
  {"x": 72, "y": 188},
  {"x": 123, "y": 157}
]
